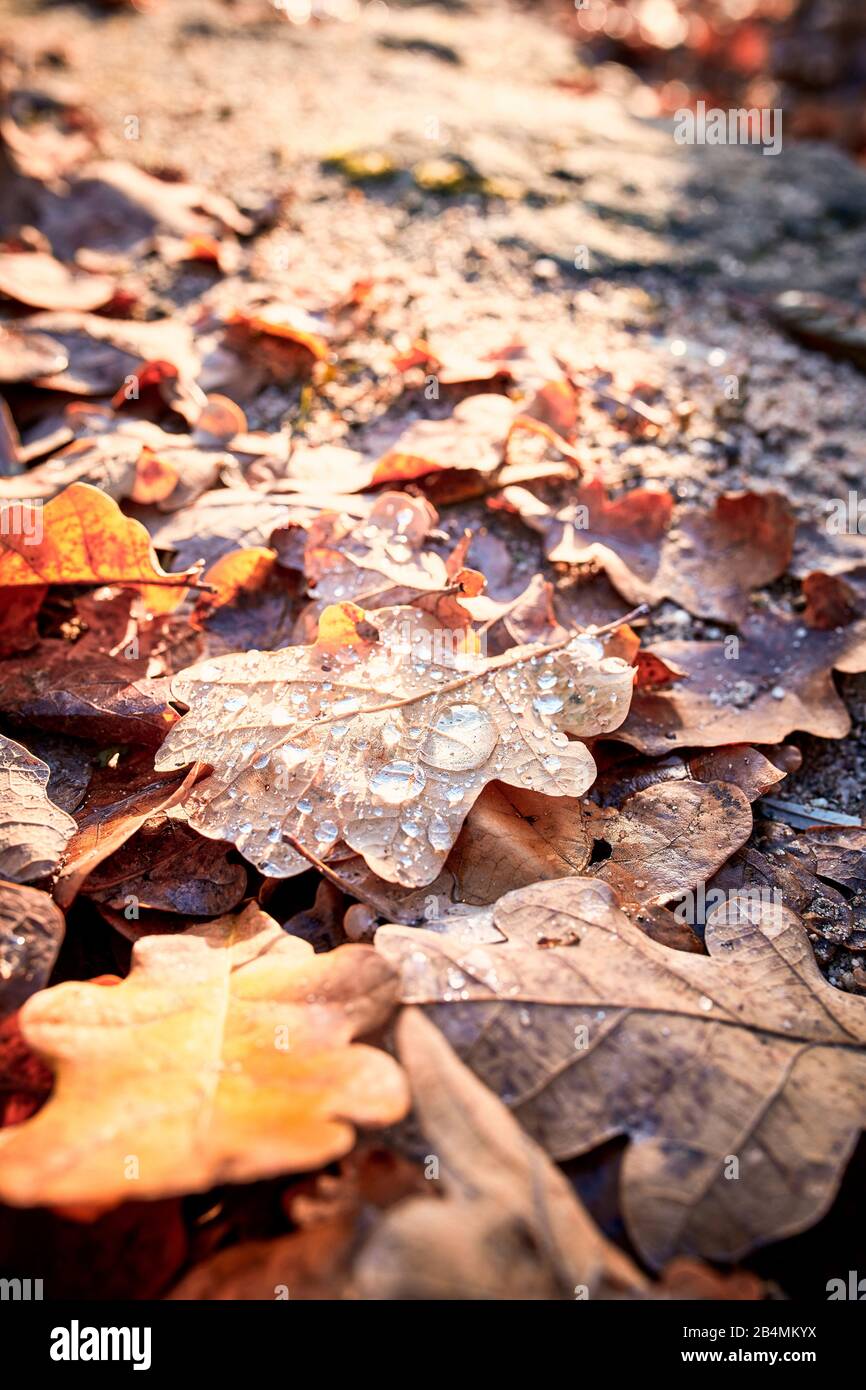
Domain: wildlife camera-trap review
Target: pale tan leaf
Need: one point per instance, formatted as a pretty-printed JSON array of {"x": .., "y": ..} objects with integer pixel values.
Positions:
[
  {"x": 383, "y": 734},
  {"x": 33, "y": 831},
  {"x": 509, "y": 1225}
]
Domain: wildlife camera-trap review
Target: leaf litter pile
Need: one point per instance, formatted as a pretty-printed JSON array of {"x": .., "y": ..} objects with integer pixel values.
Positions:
[{"x": 389, "y": 908}]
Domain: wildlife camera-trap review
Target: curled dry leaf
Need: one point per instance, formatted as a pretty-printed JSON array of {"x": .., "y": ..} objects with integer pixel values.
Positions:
[
  {"x": 509, "y": 1225},
  {"x": 34, "y": 832},
  {"x": 119, "y": 801},
  {"x": 751, "y": 769},
  {"x": 383, "y": 735},
  {"x": 24, "y": 356},
  {"x": 226, "y": 1056},
  {"x": 31, "y": 933},
  {"x": 37, "y": 279},
  {"x": 588, "y": 1030},
  {"x": 777, "y": 678},
  {"x": 706, "y": 560},
  {"x": 473, "y": 437}
]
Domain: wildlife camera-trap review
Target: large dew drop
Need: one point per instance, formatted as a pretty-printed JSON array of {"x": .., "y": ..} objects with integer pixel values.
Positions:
[
  {"x": 397, "y": 782},
  {"x": 462, "y": 738}
]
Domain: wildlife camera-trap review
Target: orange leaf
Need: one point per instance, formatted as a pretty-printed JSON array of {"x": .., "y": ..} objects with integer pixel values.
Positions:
[
  {"x": 87, "y": 540},
  {"x": 225, "y": 1056}
]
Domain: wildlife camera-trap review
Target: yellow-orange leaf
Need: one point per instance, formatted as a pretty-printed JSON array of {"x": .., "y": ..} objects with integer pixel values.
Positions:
[
  {"x": 86, "y": 539},
  {"x": 225, "y": 1056}
]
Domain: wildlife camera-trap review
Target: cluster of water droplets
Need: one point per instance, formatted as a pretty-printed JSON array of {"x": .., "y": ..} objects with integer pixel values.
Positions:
[{"x": 384, "y": 749}]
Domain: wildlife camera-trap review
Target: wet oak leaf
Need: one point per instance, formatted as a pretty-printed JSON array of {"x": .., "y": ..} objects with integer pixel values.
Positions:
[
  {"x": 588, "y": 1030},
  {"x": 384, "y": 560},
  {"x": 31, "y": 933},
  {"x": 384, "y": 735},
  {"x": 182, "y": 1065},
  {"x": 33, "y": 831}
]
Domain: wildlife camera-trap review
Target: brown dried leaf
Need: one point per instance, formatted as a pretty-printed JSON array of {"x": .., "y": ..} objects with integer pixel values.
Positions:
[
  {"x": 509, "y": 1225},
  {"x": 708, "y": 561},
  {"x": 167, "y": 868},
  {"x": 588, "y": 1029},
  {"x": 668, "y": 838},
  {"x": 780, "y": 680},
  {"x": 31, "y": 933}
]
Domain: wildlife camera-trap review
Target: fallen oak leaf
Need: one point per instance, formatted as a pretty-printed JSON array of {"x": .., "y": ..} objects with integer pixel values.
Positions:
[
  {"x": 840, "y": 853},
  {"x": 513, "y": 837},
  {"x": 119, "y": 801},
  {"x": 33, "y": 831},
  {"x": 666, "y": 839},
  {"x": 384, "y": 734},
  {"x": 746, "y": 1052},
  {"x": 86, "y": 539},
  {"x": 31, "y": 934},
  {"x": 114, "y": 205},
  {"x": 383, "y": 561},
  {"x": 788, "y": 877},
  {"x": 473, "y": 437},
  {"x": 747, "y": 767},
  {"x": 509, "y": 1225},
  {"x": 182, "y": 1065},
  {"x": 315, "y": 1260},
  {"x": 706, "y": 560},
  {"x": 781, "y": 680},
  {"x": 104, "y": 355}
]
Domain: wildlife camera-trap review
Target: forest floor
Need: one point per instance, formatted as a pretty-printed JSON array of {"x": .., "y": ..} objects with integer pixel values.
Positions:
[
  {"x": 446, "y": 168},
  {"x": 612, "y": 245}
]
